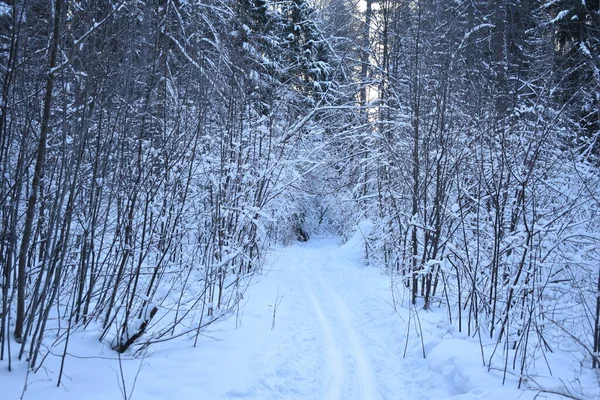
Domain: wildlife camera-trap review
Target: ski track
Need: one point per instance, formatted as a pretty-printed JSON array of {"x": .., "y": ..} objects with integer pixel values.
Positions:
[
  {"x": 321, "y": 323},
  {"x": 333, "y": 338},
  {"x": 346, "y": 329},
  {"x": 332, "y": 346}
]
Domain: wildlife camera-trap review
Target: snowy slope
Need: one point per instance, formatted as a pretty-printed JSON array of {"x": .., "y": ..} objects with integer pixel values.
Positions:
[{"x": 336, "y": 336}]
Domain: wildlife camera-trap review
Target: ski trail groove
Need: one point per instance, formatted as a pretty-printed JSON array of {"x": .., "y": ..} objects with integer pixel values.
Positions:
[
  {"x": 341, "y": 337},
  {"x": 333, "y": 350},
  {"x": 363, "y": 365},
  {"x": 365, "y": 376}
]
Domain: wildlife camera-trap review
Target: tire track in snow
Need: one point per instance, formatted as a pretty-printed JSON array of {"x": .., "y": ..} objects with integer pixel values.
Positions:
[{"x": 333, "y": 350}]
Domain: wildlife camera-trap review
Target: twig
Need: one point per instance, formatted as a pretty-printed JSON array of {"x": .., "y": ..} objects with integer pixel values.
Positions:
[{"x": 277, "y": 303}]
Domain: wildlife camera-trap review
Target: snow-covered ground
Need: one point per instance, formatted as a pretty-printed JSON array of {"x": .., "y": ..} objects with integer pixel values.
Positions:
[{"x": 316, "y": 325}]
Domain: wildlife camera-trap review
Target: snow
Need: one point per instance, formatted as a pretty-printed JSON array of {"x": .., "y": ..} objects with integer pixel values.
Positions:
[
  {"x": 354, "y": 248},
  {"x": 560, "y": 16},
  {"x": 339, "y": 334},
  {"x": 475, "y": 29}
]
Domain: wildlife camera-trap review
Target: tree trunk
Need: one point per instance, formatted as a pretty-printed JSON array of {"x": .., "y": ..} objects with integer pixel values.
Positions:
[{"x": 37, "y": 176}]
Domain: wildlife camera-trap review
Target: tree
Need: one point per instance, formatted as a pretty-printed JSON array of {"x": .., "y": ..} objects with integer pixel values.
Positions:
[
  {"x": 39, "y": 169},
  {"x": 576, "y": 36}
]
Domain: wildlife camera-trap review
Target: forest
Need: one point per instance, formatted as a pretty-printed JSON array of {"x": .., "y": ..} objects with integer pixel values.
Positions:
[{"x": 152, "y": 152}]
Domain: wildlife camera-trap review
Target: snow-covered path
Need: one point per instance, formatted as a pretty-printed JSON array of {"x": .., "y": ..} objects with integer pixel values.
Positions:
[
  {"x": 324, "y": 355},
  {"x": 336, "y": 336},
  {"x": 346, "y": 343}
]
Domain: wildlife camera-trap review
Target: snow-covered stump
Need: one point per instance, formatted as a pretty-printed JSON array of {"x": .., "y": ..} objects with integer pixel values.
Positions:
[{"x": 132, "y": 332}]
